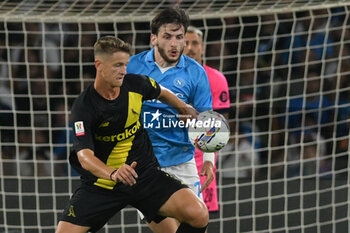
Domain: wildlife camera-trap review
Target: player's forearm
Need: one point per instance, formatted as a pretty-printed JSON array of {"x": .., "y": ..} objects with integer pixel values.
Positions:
[
  {"x": 169, "y": 98},
  {"x": 185, "y": 111},
  {"x": 92, "y": 164}
]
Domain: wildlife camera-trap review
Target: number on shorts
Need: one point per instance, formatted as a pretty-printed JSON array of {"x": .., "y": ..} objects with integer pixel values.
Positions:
[{"x": 198, "y": 185}]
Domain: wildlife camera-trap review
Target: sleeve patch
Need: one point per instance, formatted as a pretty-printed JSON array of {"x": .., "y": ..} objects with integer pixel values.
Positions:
[
  {"x": 153, "y": 82},
  {"x": 224, "y": 96},
  {"x": 79, "y": 128}
]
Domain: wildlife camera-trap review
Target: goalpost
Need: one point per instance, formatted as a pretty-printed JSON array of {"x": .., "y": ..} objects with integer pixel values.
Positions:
[{"x": 286, "y": 168}]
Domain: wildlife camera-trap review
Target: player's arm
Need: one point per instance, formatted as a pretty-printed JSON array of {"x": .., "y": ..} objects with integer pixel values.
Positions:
[
  {"x": 154, "y": 90},
  {"x": 126, "y": 174},
  {"x": 202, "y": 98},
  {"x": 207, "y": 169},
  {"x": 221, "y": 104},
  {"x": 168, "y": 97}
]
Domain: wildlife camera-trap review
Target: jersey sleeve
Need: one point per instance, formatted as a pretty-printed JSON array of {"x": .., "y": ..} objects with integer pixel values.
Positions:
[
  {"x": 82, "y": 126},
  {"x": 220, "y": 92},
  {"x": 151, "y": 89}
]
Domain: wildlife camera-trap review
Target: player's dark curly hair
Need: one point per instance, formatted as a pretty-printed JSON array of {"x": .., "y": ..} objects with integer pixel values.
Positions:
[{"x": 174, "y": 15}]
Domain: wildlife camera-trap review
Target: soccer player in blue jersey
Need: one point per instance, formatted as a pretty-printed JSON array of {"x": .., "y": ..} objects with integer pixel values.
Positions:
[{"x": 188, "y": 80}]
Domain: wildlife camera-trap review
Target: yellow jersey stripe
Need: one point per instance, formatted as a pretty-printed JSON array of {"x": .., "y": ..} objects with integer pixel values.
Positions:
[
  {"x": 120, "y": 152},
  {"x": 134, "y": 110}
]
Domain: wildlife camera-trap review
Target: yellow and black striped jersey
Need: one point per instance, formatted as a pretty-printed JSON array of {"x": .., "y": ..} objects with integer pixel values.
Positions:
[{"x": 113, "y": 129}]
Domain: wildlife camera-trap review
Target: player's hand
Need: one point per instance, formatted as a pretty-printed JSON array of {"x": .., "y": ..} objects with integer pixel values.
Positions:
[
  {"x": 188, "y": 113},
  {"x": 126, "y": 174},
  {"x": 207, "y": 170}
]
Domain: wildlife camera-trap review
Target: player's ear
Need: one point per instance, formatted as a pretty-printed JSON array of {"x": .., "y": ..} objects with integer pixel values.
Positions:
[
  {"x": 202, "y": 48},
  {"x": 154, "y": 39},
  {"x": 97, "y": 64}
]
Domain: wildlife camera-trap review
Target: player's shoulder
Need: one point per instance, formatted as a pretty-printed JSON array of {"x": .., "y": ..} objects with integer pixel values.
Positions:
[
  {"x": 83, "y": 101},
  {"x": 193, "y": 67},
  {"x": 213, "y": 71},
  {"x": 86, "y": 93},
  {"x": 215, "y": 77},
  {"x": 138, "y": 57},
  {"x": 137, "y": 82},
  {"x": 190, "y": 62},
  {"x": 139, "y": 63},
  {"x": 134, "y": 79}
]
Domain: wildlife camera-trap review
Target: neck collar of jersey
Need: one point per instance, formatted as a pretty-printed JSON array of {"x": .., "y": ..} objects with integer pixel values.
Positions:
[{"x": 150, "y": 59}]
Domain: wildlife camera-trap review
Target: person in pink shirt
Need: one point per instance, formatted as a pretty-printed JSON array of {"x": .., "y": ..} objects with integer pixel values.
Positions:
[{"x": 221, "y": 103}]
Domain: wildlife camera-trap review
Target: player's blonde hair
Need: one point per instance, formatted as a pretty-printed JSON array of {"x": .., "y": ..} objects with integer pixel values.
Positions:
[{"x": 109, "y": 45}]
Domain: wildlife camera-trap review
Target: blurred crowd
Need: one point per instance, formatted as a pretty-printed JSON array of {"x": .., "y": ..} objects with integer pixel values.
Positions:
[{"x": 288, "y": 77}]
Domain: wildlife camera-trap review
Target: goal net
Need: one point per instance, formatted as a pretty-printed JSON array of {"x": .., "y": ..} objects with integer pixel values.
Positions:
[{"x": 286, "y": 167}]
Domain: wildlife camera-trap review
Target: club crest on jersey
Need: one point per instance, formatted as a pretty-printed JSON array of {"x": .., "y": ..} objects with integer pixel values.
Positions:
[
  {"x": 79, "y": 128},
  {"x": 179, "y": 82}
]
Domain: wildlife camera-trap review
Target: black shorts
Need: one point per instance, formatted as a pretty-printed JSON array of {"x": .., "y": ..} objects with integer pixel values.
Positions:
[{"x": 93, "y": 206}]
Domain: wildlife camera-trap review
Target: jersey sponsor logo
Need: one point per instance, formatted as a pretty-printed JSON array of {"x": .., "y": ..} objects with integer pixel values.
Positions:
[
  {"x": 104, "y": 124},
  {"x": 179, "y": 82},
  {"x": 79, "y": 128},
  {"x": 223, "y": 96},
  {"x": 128, "y": 132}
]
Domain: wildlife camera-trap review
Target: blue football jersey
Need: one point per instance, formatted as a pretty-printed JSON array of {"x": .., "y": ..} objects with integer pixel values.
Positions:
[{"x": 188, "y": 81}]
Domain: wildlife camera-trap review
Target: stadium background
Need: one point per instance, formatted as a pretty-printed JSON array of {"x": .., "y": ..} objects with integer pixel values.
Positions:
[{"x": 286, "y": 62}]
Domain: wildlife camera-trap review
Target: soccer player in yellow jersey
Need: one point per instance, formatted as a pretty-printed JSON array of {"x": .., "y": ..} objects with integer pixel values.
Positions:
[{"x": 114, "y": 155}]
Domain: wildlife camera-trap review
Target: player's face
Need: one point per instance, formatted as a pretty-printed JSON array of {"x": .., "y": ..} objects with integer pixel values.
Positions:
[
  {"x": 194, "y": 47},
  {"x": 112, "y": 68},
  {"x": 169, "y": 43}
]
